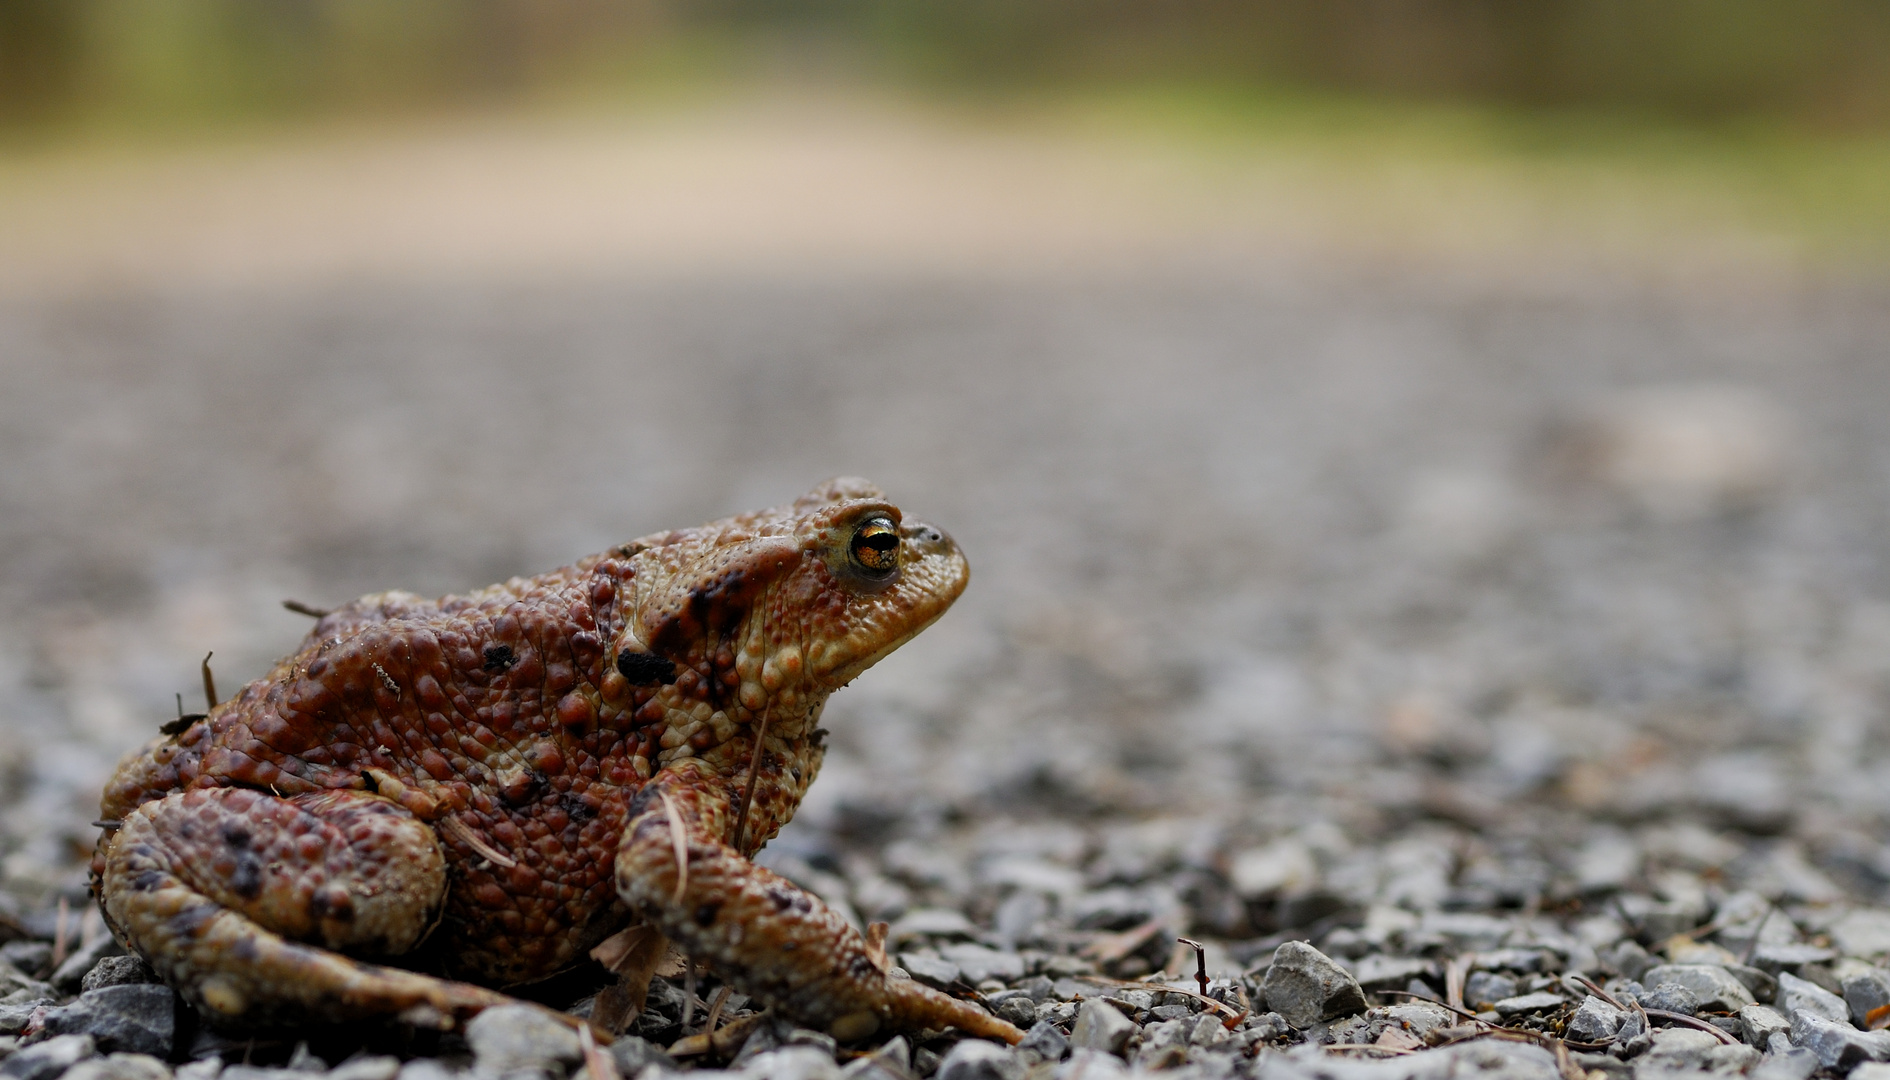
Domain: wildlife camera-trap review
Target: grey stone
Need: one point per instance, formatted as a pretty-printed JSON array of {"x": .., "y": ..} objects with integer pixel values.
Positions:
[
  {"x": 1271, "y": 1025},
  {"x": 1038, "y": 987},
  {"x": 1164, "y": 1045},
  {"x": 1789, "y": 1064},
  {"x": 975, "y": 1059},
  {"x": 200, "y": 1069},
  {"x": 1759, "y": 1023},
  {"x": 1713, "y": 987},
  {"x": 118, "y": 971},
  {"x": 1522, "y": 960},
  {"x": 1207, "y": 1031},
  {"x": 892, "y": 1061},
  {"x": 1045, "y": 1040},
  {"x": 788, "y": 1063},
  {"x": 15, "y": 1017},
  {"x": 1866, "y": 990},
  {"x": 29, "y": 957},
  {"x": 520, "y": 1037},
  {"x": 68, "y": 976},
  {"x": 1595, "y": 1021},
  {"x": 979, "y": 963},
  {"x": 139, "y": 1018},
  {"x": 1420, "y": 1018},
  {"x": 1305, "y": 986},
  {"x": 47, "y": 1060},
  {"x": 1092, "y": 1065},
  {"x": 1775, "y": 958},
  {"x": 1101, "y": 1026},
  {"x": 1760, "y": 984},
  {"x": 367, "y": 1067},
  {"x": 1528, "y": 1003},
  {"x": 119, "y": 1067},
  {"x": 1020, "y": 1010},
  {"x": 1485, "y": 987},
  {"x": 934, "y": 971},
  {"x": 1628, "y": 960},
  {"x": 1871, "y": 1070},
  {"x": 1672, "y": 997},
  {"x": 16, "y": 986},
  {"x": 1466, "y": 929},
  {"x": 1680, "y": 1047},
  {"x": 259, "y": 1072},
  {"x": 305, "y": 1060},
  {"x": 1863, "y": 932},
  {"x": 1731, "y": 1058},
  {"x": 1484, "y": 1059},
  {"x": 1379, "y": 972},
  {"x": 931, "y": 922},
  {"x": 1797, "y": 995},
  {"x": 428, "y": 1069},
  {"x": 1017, "y": 1010},
  {"x": 1837, "y": 1043}
]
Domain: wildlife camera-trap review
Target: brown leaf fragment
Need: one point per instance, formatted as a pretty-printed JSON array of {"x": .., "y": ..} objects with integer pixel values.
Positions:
[
  {"x": 1396, "y": 1038},
  {"x": 724, "y": 1041},
  {"x": 1877, "y": 1019},
  {"x": 636, "y": 955},
  {"x": 612, "y": 1009}
]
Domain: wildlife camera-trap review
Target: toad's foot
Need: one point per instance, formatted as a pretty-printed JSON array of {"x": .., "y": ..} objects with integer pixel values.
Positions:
[
  {"x": 765, "y": 935},
  {"x": 237, "y": 898}
]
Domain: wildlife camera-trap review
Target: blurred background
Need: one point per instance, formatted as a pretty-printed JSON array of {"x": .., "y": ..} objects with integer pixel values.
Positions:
[{"x": 1415, "y": 452}]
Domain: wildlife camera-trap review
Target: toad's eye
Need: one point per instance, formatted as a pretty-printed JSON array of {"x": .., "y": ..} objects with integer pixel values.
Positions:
[{"x": 876, "y": 546}]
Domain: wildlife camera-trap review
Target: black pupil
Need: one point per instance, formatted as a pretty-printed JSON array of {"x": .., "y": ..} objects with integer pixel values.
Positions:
[{"x": 875, "y": 546}]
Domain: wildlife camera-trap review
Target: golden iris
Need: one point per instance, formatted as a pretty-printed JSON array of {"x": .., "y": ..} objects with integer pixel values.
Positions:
[{"x": 876, "y": 546}]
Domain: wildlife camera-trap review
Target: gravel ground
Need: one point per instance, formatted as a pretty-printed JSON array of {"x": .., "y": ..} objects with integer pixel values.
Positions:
[{"x": 1518, "y": 645}]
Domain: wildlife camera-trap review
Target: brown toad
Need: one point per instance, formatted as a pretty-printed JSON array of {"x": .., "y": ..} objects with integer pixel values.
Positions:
[{"x": 514, "y": 775}]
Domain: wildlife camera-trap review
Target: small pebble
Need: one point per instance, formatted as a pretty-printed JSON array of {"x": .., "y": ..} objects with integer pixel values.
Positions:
[
  {"x": 1045, "y": 1040},
  {"x": 118, "y": 971},
  {"x": 1761, "y": 1022},
  {"x": 1713, "y": 987},
  {"x": 120, "y": 1067},
  {"x": 47, "y": 1060},
  {"x": 1837, "y": 1043},
  {"x": 1595, "y": 1021},
  {"x": 975, "y": 1059},
  {"x": 520, "y": 1037},
  {"x": 138, "y": 1018},
  {"x": 1797, "y": 995},
  {"x": 1673, "y": 997},
  {"x": 1305, "y": 986},
  {"x": 1101, "y": 1026}
]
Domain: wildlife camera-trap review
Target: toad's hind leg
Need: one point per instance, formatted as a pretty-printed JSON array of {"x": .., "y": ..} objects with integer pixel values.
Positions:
[{"x": 244, "y": 902}]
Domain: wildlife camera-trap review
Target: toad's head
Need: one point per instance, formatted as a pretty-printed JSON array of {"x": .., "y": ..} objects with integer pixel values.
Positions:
[{"x": 774, "y": 610}]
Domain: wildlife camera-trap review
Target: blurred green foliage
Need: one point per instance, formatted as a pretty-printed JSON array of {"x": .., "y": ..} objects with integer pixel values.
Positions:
[{"x": 1823, "y": 62}]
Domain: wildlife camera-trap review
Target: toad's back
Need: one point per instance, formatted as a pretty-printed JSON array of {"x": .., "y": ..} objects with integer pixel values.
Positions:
[{"x": 486, "y": 715}]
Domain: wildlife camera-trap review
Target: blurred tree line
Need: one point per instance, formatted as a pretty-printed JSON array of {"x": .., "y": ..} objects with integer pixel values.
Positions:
[{"x": 1823, "y": 62}]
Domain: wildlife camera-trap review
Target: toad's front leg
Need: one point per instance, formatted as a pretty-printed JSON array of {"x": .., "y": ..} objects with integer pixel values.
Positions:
[
  {"x": 244, "y": 902},
  {"x": 765, "y": 935}
]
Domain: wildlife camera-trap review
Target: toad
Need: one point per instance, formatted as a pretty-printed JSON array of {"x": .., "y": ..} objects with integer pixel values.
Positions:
[{"x": 433, "y": 798}]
